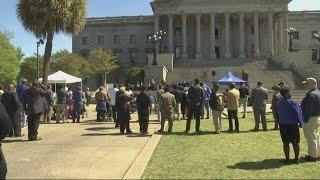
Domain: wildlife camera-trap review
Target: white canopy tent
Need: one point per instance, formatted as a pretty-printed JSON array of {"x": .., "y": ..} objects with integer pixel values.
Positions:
[{"x": 61, "y": 77}]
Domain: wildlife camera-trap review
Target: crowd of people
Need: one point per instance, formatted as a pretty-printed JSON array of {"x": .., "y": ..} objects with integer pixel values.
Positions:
[{"x": 27, "y": 103}]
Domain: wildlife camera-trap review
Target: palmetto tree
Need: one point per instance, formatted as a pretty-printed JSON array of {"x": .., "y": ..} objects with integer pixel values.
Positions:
[{"x": 44, "y": 18}]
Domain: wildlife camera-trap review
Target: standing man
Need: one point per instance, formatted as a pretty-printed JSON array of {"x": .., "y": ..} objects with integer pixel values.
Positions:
[
  {"x": 195, "y": 96},
  {"x": 244, "y": 93},
  {"x": 178, "y": 96},
  {"x": 62, "y": 96},
  {"x": 184, "y": 103},
  {"x": 13, "y": 107},
  {"x": 49, "y": 98},
  {"x": 112, "y": 93},
  {"x": 217, "y": 105},
  {"x": 144, "y": 105},
  {"x": 34, "y": 105},
  {"x": 206, "y": 98},
  {"x": 159, "y": 93},
  {"x": 167, "y": 104},
  {"x": 5, "y": 128},
  {"x": 276, "y": 98},
  {"x": 21, "y": 89},
  {"x": 232, "y": 99},
  {"x": 122, "y": 107},
  {"x": 311, "y": 115},
  {"x": 77, "y": 97},
  {"x": 259, "y": 97}
]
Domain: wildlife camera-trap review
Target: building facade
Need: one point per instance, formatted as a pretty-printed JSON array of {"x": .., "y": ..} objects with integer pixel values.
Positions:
[{"x": 203, "y": 30}]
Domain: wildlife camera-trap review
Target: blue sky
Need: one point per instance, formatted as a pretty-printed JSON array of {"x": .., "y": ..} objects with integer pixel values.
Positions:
[{"x": 96, "y": 8}]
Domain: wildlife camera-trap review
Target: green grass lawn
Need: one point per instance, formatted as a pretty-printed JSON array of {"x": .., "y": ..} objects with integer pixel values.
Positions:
[{"x": 244, "y": 155}]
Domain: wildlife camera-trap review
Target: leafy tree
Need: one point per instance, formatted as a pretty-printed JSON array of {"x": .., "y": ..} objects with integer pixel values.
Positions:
[
  {"x": 28, "y": 68},
  {"x": 70, "y": 63},
  {"x": 102, "y": 62},
  {"x": 135, "y": 75},
  {"x": 10, "y": 58},
  {"x": 47, "y": 17}
]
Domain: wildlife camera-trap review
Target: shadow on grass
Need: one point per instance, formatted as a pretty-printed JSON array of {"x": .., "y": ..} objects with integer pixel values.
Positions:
[
  {"x": 13, "y": 140},
  {"x": 99, "y": 128},
  {"x": 184, "y": 134},
  {"x": 117, "y": 134},
  {"x": 259, "y": 165}
]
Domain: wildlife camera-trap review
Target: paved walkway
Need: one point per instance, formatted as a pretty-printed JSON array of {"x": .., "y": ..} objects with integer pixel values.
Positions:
[{"x": 88, "y": 150}]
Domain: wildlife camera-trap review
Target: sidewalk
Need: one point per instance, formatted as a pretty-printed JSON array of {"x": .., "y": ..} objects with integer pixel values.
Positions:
[{"x": 88, "y": 150}]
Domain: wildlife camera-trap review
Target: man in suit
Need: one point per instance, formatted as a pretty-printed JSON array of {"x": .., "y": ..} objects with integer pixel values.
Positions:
[
  {"x": 259, "y": 97},
  {"x": 167, "y": 105},
  {"x": 195, "y": 96},
  {"x": 123, "y": 111},
  {"x": 275, "y": 100},
  {"x": 34, "y": 105},
  {"x": 12, "y": 105},
  {"x": 5, "y": 128},
  {"x": 144, "y": 106}
]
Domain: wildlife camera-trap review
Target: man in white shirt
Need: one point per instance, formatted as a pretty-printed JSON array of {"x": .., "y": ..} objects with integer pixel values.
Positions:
[{"x": 112, "y": 93}]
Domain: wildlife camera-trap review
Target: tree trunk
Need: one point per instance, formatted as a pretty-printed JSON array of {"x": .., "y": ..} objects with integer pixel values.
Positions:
[{"x": 47, "y": 56}]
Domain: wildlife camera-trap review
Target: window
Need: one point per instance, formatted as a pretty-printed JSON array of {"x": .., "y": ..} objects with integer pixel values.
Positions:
[
  {"x": 252, "y": 29},
  {"x": 314, "y": 54},
  {"x": 148, "y": 38},
  {"x": 132, "y": 56},
  {"x": 85, "y": 53},
  {"x": 84, "y": 40},
  {"x": 295, "y": 35},
  {"x": 178, "y": 35},
  {"x": 100, "y": 40},
  {"x": 132, "y": 39},
  {"x": 116, "y": 52},
  {"x": 116, "y": 39}
]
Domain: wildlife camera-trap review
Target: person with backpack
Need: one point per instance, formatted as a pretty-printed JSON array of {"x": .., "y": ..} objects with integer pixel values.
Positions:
[
  {"x": 5, "y": 128},
  {"x": 217, "y": 105}
]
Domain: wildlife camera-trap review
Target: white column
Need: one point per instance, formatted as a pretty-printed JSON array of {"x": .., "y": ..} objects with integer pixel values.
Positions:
[
  {"x": 213, "y": 36},
  {"x": 285, "y": 34},
  {"x": 198, "y": 53},
  {"x": 171, "y": 50},
  {"x": 184, "y": 36},
  {"x": 227, "y": 34},
  {"x": 280, "y": 35},
  {"x": 275, "y": 36},
  {"x": 256, "y": 35},
  {"x": 271, "y": 38},
  {"x": 156, "y": 29},
  {"x": 241, "y": 36}
]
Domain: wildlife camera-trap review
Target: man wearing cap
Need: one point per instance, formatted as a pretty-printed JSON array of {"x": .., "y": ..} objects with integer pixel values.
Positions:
[{"x": 311, "y": 117}]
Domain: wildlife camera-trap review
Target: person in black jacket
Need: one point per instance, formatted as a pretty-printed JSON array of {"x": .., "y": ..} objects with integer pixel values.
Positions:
[
  {"x": 5, "y": 128},
  {"x": 122, "y": 107},
  {"x": 143, "y": 104},
  {"x": 195, "y": 96},
  {"x": 12, "y": 105},
  {"x": 34, "y": 104}
]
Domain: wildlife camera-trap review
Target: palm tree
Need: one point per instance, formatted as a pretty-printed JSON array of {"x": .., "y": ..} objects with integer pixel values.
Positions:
[{"x": 44, "y": 18}]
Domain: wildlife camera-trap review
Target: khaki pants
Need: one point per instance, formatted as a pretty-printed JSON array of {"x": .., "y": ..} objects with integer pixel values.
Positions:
[
  {"x": 216, "y": 115},
  {"x": 311, "y": 131},
  {"x": 61, "y": 108}
]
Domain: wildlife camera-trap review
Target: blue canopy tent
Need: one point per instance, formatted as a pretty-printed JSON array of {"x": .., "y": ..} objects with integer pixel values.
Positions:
[{"x": 228, "y": 78}]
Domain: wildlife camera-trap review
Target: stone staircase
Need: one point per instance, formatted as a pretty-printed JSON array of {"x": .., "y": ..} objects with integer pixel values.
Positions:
[{"x": 259, "y": 70}]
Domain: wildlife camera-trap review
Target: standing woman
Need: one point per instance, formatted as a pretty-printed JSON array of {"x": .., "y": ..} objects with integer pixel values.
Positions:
[
  {"x": 5, "y": 127},
  {"x": 290, "y": 119},
  {"x": 101, "y": 108}
]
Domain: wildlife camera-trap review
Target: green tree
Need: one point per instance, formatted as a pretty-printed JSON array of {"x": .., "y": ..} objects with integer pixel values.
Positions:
[
  {"x": 102, "y": 62},
  {"x": 135, "y": 75},
  {"x": 70, "y": 63},
  {"x": 10, "y": 58},
  {"x": 28, "y": 68},
  {"x": 46, "y": 17}
]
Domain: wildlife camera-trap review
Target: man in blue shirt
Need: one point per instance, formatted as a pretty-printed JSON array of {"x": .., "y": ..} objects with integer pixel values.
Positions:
[
  {"x": 206, "y": 98},
  {"x": 77, "y": 97},
  {"x": 20, "y": 90},
  {"x": 290, "y": 119},
  {"x": 311, "y": 114}
]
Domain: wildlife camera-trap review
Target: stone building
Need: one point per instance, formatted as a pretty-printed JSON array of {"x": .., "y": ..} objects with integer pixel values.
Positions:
[{"x": 205, "y": 33}]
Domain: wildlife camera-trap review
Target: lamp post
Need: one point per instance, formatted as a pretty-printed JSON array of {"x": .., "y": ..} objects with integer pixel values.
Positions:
[
  {"x": 155, "y": 39},
  {"x": 38, "y": 44},
  {"x": 317, "y": 36},
  {"x": 291, "y": 31}
]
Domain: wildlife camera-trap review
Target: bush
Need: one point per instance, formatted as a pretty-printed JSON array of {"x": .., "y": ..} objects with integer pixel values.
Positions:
[{"x": 135, "y": 75}]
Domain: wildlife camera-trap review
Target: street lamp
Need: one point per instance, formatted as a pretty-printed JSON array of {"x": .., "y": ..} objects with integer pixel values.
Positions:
[
  {"x": 38, "y": 44},
  {"x": 317, "y": 36},
  {"x": 291, "y": 31},
  {"x": 155, "y": 39}
]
